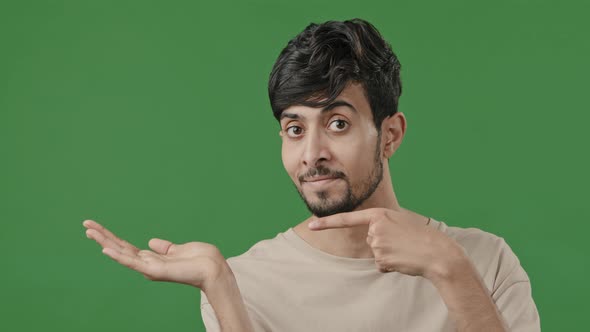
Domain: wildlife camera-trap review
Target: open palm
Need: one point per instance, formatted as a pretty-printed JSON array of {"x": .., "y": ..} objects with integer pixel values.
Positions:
[{"x": 194, "y": 263}]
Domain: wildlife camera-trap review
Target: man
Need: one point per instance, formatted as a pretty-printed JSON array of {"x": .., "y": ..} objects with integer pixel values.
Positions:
[{"x": 361, "y": 262}]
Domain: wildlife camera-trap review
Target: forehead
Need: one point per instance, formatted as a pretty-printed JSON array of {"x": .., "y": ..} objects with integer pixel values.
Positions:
[{"x": 351, "y": 98}]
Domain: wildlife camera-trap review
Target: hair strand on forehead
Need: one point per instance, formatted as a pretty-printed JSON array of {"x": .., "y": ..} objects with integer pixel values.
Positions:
[{"x": 318, "y": 63}]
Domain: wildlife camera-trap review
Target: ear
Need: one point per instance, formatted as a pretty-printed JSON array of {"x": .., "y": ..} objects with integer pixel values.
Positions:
[{"x": 393, "y": 130}]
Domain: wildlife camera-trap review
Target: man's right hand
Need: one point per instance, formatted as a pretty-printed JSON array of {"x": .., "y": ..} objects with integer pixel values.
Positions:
[{"x": 197, "y": 264}]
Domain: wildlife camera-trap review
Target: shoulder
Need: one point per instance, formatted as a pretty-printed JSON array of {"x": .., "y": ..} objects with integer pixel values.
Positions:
[
  {"x": 503, "y": 275},
  {"x": 477, "y": 242},
  {"x": 263, "y": 253},
  {"x": 495, "y": 260}
]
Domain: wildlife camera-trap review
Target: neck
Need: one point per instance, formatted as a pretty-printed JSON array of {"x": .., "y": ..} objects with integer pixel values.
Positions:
[{"x": 352, "y": 241}]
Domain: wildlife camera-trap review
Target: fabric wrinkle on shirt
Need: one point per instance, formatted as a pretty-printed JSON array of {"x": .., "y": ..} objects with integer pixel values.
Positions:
[{"x": 288, "y": 285}]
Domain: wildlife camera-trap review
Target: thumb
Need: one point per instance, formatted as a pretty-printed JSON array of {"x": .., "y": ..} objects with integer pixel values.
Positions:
[{"x": 160, "y": 246}]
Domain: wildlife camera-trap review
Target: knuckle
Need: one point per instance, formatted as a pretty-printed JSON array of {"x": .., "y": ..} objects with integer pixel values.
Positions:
[
  {"x": 386, "y": 269},
  {"x": 171, "y": 249},
  {"x": 379, "y": 261},
  {"x": 384, "y": 266},
  {"x": 377, "y": 227},
  {"x": 377, "y": 242}
]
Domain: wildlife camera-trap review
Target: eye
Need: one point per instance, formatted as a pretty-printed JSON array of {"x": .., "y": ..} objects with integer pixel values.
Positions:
[
  {"x": 294, "y": 131},
  {"x": 338, "y": 125}
]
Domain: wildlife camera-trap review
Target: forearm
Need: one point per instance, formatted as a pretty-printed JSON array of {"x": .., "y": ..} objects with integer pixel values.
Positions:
[
  {"x": 226, "y": 300},
  {"x": 467, "y": 299}
]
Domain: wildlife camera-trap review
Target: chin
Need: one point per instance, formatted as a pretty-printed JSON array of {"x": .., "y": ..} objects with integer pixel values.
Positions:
[{"x": 322, "y": 208}]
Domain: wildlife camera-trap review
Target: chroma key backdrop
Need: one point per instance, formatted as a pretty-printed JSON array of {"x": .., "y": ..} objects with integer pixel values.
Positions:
[{"x": 153, "y": 118}]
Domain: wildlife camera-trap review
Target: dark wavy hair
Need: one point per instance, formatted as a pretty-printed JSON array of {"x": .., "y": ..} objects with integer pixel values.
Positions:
[{"x": 319, "y": 62}]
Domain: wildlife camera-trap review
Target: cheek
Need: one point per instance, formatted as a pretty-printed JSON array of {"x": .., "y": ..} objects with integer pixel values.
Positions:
[
  {"x": 357, "y": 155},
  {"x": 350, "y": 152},
  {"x": 289, "y": 160}
]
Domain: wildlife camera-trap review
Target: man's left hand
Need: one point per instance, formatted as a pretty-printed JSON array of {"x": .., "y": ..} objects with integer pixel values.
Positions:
[{"x": 400, "y": 244}]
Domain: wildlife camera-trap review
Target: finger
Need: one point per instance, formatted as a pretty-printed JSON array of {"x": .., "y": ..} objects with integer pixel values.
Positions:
[
  {"x": 160, "y": 246},
  {"x": 106, "y": 242},
  {"x": 146, "y": 255},
  {"x": 132, "y": 262},
  {"x": 91, "y": 224},
  {"x": 341, "y": 220}
]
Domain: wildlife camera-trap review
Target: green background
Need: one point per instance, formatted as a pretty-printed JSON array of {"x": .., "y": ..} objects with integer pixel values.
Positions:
[{"x": 152, "y": 117}]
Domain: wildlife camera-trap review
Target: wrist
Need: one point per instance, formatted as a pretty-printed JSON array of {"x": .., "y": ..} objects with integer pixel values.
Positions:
[
  {"x": 453, "y": 264},
  {"x": 223, "y": 287},
  {"x": 221, "y": 277}
]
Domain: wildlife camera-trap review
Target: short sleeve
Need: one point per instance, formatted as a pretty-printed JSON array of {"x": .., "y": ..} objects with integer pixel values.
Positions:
[{"x": 513, "y": 294}]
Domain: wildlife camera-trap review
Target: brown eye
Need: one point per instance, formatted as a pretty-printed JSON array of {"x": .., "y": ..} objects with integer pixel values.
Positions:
[
  {"x": 338, "y": 125},
  {"x": 294, "y": 131}
]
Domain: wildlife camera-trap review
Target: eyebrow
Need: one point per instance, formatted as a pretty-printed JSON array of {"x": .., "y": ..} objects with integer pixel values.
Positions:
[{"x": 330, "y": 106}]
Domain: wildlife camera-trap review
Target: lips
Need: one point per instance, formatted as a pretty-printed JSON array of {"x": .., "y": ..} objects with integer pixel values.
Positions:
[
  {"x": 321, "y": 181},
  {"x": 320, "y": 178}
]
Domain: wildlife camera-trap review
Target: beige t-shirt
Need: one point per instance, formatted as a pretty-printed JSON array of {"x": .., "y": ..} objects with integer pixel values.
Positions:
[{"x": 288, "y": 285}]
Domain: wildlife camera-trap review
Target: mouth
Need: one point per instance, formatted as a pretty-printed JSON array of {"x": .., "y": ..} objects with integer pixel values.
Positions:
[{"x": 320, "y": 180}]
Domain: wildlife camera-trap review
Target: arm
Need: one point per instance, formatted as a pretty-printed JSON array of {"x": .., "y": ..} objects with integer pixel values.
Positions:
[
  {"x": 196, "y": 264},
  {"x": 401, "y": 244},
  {"x": 509, "y": 306},
  {"x": 225, "y": 298},
  {"x": 466, "y": 296}
]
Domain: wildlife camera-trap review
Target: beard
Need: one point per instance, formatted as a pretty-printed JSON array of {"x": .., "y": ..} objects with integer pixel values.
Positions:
[{"x": 352, "y": 197}]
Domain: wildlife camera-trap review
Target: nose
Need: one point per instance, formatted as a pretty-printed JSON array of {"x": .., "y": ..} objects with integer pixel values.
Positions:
[{"x": 316, "y": 149}]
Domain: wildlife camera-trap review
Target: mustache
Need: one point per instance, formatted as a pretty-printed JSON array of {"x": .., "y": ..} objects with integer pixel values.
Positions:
[{"x": 320, "y": 171}]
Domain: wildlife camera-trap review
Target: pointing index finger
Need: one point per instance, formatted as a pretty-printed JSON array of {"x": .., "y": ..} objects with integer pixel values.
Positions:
[{"x": 341, "y": 220}]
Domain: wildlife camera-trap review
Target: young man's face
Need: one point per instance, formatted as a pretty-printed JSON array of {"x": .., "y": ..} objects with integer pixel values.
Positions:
[{"x": 333, "y": 155}]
